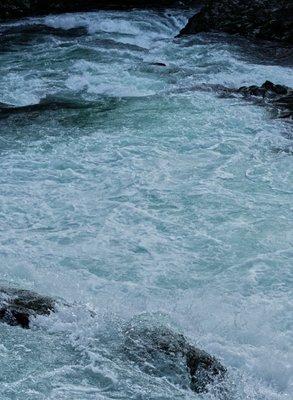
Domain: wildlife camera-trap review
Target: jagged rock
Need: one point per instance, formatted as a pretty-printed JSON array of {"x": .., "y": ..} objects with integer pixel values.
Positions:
[
  {"x": 279, "y": 96},
  {"x": 23, "y": 8},
  {"x": 268, "y": 89},
  {"x": 143, "y": 345},
  {"x": 260, "y": 19},
  {"x": 17, "y": 307}
]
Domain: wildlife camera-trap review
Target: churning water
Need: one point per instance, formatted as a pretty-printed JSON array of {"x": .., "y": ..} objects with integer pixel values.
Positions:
[{"x": 134, "y": 198}]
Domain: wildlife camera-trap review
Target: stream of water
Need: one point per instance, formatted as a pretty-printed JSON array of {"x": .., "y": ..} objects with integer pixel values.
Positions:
[{"x": 133, "y": 198}]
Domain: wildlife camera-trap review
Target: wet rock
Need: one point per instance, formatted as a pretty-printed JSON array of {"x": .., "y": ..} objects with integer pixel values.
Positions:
[
  {"x": 145, "y": 346},
  {"x": 259, "y": 19},
  {"x": 18, "y": 307},
  {"x": 267, "y": 89},
  {"x": 278, "y": 96},
  {"x": 23, "y": 8},
  {"x": 159, "y": 64}
]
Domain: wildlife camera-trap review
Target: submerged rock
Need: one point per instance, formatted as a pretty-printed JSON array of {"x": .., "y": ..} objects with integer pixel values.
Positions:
[
  {"x": 48, "y": 103},
  {"x": 146, "y": 346},
  {"x": 260, "y": 19},
  {"x": 17, "y": 307}
]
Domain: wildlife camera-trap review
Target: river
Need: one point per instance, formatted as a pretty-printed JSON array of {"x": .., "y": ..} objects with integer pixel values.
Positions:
[{"x": 135, "y": 198}]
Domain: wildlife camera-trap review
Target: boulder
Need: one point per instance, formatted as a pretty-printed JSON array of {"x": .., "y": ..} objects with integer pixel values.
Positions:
[
  {"x": 146, "y": 345},
  {"x": 18, "y": 307},
  {"x": 259, "y": 19}
]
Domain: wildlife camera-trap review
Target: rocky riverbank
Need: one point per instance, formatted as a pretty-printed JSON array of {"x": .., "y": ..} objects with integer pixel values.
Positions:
[
  {"x": 12, "y": 9},
  {"x": 258, "y": 19}
]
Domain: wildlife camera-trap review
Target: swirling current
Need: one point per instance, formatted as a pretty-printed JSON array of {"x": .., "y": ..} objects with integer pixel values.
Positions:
[{"x": 137, "y": 199}]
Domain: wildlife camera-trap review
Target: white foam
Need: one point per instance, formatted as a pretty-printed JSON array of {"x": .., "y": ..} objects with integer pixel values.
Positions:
[{"x": 173, "y": 206}]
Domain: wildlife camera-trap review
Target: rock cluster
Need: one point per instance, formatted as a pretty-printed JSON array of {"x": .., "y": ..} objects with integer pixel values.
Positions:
[
  {"x": 146, "y": 345},
  {"x": 259, "y": 19},
  {"x": 279, "y": 96}
]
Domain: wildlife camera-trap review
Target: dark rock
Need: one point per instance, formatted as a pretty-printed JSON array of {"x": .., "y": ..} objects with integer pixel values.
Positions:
[
  {"x": 259, "y": 19},
  {"x": 277, "y": 89},
  {"x": 204, "y": 369},
  {"x": 17, "y": 307},
  {"x": 144, "y": 345},
  {"x": 285, "y": 101},
  {"x": 278, "y": 96},
  {"x": 159, "y": 64},
  {"x": 10, "y": 9},
  {"x": 267, "y": 89}
]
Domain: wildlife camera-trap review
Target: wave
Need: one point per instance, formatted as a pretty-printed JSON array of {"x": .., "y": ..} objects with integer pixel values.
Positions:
[
  {"x": 47, "y": 103},
  {"x": 42, "y": 29}
]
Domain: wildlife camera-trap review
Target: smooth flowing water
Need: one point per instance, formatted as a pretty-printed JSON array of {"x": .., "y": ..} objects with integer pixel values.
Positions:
[{"x": 135, "y": 199}]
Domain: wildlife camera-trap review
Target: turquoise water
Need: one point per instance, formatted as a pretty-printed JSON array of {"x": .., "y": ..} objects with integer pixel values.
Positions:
[{"x": 143, "y": 200}]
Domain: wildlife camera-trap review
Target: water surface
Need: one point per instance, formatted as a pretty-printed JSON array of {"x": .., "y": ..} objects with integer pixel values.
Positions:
[{"x": 137, "y": 198}]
